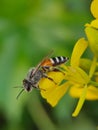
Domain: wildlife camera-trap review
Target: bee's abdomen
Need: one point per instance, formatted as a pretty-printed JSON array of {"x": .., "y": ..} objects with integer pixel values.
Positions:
[{"x": 58, "y": 60}]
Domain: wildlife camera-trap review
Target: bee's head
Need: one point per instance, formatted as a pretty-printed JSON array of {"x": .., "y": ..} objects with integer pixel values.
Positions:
[{"x": 27, "y": 85}]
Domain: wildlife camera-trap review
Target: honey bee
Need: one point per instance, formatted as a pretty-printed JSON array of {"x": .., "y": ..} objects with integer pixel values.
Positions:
[{"x": 35, "y": 74}]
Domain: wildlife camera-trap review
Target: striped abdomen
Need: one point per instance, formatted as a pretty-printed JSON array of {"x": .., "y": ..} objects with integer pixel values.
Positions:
[
  {"x": 58, "y": 60},
  {"x": 55, "y": 61}
]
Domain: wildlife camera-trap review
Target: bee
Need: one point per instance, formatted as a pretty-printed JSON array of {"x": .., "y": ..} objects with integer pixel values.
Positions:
[{"x": 35, "y": 74}]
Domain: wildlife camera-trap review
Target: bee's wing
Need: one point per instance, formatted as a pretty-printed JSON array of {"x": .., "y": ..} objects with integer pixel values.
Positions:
[
  {"x": 42, "y": 62},
  {"x": 45, "y": 59}
]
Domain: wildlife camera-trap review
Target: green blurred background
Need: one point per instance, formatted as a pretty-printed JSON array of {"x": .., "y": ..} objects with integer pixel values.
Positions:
[{"x": 28, "y": 31}]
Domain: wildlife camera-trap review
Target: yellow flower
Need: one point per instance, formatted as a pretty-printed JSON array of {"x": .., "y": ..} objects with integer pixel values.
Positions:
[
  {"x": 80, "y": 83},
  {"x": 94, "y": 11},
  {"x": 78, "y": 77}
]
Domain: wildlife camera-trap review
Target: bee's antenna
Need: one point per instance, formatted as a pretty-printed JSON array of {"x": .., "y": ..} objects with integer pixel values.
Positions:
[
  {"x": 18, "y": 87},
  {"x": 19, "y": 93}
]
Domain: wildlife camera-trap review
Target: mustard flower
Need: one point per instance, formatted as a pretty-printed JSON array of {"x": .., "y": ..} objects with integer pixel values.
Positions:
[
  {"x": 76, "y": 79},
  {"x": 82, "y": 85},
  {"x": 80, "y": 78},
  {"x": 89, "y": 89}
]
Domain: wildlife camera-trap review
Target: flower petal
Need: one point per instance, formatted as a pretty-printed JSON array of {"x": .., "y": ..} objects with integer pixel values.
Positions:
[
  {"x": 94, "y": 23},
  {"x": 54, "y": 94},
  {"x": 75, "y": 91},
  {"x": 78, "y": 50},
  {"x": 46, "y": 83},
  {"x": 92, "y": 92},
  {"x": 76, "y": 75},
  {"x": 50, "y": 91},
  {"x": 94, "y": 8},
  {"x": 85, "y": 64},
  {"x": 92, "y": 35}
]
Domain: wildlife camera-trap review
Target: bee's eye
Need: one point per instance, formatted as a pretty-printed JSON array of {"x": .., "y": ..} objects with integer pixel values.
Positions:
[{"x": 27, "y": 84}]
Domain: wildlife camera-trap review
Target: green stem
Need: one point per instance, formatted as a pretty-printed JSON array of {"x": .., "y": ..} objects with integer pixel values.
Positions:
[{"x": 80, "y": 102}]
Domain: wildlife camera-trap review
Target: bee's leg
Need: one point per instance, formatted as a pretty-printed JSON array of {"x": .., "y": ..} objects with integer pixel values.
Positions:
[
  {"x": 45, "y": 68},
  {"x": 55, "y": 69},
  {"x": 58, "y": 70},
  {"x": 45, "y": 76},
  {"x": 35, "y": 87},
  {"x": 39, "y": 88}
]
